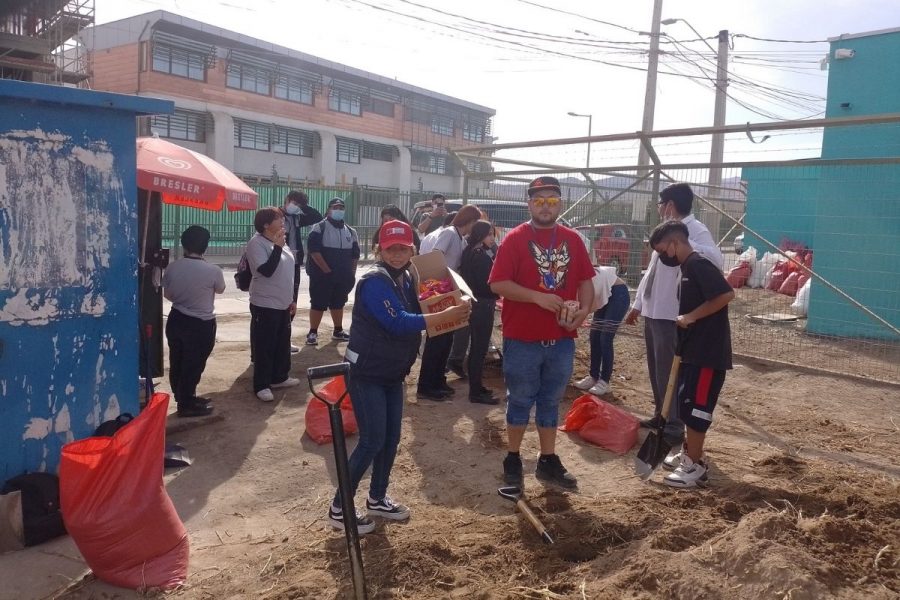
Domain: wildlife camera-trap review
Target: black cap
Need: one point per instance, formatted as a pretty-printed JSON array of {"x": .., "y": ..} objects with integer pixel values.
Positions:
[
  {"x": 544, "y": 183},
  {"x": 335, "y": 202}
]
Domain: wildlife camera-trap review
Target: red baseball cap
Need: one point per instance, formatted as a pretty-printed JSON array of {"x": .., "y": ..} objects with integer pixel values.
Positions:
[{"x": 395, "y": 232}]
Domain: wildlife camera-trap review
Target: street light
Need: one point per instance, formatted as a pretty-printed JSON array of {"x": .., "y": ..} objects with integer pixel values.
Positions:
[{"x": 590, "y": 119}]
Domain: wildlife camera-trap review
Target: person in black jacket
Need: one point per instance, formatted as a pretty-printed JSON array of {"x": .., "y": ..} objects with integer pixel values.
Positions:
[
  {"x": 384, "y": 342},
  {"x": 477, "y": 261}
]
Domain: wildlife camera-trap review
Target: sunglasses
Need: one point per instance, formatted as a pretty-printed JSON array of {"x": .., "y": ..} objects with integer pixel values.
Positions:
[{"x": 541, "y": 202}]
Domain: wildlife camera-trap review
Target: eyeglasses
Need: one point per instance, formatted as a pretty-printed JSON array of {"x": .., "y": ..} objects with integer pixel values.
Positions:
[{"x": 541, "y": 202}]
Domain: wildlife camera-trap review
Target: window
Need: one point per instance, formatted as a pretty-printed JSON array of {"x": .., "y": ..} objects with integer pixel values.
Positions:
[
  {"x": 381, "y": 107},
  {"x": 345, "y": 102},
  {"x": 473, "y": 132},
  {"x": 182, "y": 125},
  {"x": 437, "y": 164},
  {"x": 294, "y": 89},
  {"x": 292, "y": 141},
  {"x": 378, "y": 151},
  {"x": 253, "y": 136},
  {"x": 249, "y": 79},
  {"x": 348, "y": 151},
  {"x": 442, "y": 125},
  {"x": 474, "y": 165},
  {"x": 179, "y": 61}
]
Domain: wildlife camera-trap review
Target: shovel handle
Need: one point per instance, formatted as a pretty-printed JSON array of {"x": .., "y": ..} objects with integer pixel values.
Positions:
[
  {"x": 535, "y": 522},
  {"x": 670, "y": 386},
  {"x": 328, "y": 371}
]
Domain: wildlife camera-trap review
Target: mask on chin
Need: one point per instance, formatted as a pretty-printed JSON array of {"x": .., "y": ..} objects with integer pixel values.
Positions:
[
  {"x": 669, "y": 261},
  {"x": 394, "y": 272}
]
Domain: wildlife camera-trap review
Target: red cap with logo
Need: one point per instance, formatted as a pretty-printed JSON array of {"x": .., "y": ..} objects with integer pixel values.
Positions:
[{"x": 395, "y": 232}]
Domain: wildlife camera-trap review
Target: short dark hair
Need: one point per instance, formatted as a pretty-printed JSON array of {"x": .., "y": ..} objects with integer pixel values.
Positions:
[
  {"x": 438, "y": 197},
  {"x": 265, "y": 216},
  {"x": 394, "y": 211},
  {"x": 195, "y": 239},
  {"x": 681, "y": 195},
  {"x": 668, "y": 230},
  {"x": 297, "y": 196}
]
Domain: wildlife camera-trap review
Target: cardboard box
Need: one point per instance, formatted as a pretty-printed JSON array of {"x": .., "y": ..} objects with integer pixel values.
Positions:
[{"x": 433, "y": 266}]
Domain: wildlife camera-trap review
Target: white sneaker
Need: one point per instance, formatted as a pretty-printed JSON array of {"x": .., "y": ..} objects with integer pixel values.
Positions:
[
  {"x": 289, "y": 382},
  {"x": 586, "y": 383},
  {"x": 673, "y": 460},
  {"x": 689, "y": 474},
  {"x": 600, "y": 388},
  {"x": 265, "y": 395},
  {"x": 295, "y": 349}
]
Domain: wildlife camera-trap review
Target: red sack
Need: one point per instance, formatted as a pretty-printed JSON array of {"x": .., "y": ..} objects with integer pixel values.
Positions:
[
  {"x": 115, "y": 506},
  {"x": 613, "y": 429},
  {"x": 791, "y": 284},
  {"x": 779, "y": 273},
  {"x": 737, "y": 277},
  {"x": 583, "y": 410},
  {"x": 318, "y": 423}
]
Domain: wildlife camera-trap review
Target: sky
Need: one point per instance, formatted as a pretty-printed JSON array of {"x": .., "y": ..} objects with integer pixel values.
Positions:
[{"x": 533, "y": 62}]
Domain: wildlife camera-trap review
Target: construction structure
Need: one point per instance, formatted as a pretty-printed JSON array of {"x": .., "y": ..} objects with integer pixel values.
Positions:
[{"x": 41, "y": 40}]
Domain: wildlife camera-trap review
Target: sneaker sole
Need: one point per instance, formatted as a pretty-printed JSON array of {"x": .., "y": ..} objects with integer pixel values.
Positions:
[
  {"x": 360, "y": 529},
  {"x": 392, "y": 516},
  {"x": 551, "y": 481},
  {"x": 700, "y": 483}
]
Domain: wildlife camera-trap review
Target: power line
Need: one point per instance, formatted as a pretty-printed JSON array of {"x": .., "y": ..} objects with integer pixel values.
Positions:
[{"x": 762, "y": 39}]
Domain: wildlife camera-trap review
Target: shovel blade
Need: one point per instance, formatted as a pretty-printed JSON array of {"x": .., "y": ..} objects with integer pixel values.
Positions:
[{"x": 651, "y": 454}]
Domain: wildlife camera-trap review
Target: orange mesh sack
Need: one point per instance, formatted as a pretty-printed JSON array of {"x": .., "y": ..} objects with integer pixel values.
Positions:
[
  {"x": 318, "y": 423},
  {"x": 116, "y": 508}
]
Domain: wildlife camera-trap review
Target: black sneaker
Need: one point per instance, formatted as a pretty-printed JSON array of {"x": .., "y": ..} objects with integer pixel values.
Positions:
[
  {"x": 388, "y": 509},
  {"x": 446, "y": 389},
  {"x": 432, "y": 394},
  {"x": 364, "y": 524},
  {"x": 512, "y": 470},
  {"x": 484, "y": 397},
  {"x": 551, "y": 470},
  {"x": 194, "y": 409}
]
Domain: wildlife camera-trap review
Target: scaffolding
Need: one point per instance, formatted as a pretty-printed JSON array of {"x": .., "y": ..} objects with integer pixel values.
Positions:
[{"x": 41, "y": 40}]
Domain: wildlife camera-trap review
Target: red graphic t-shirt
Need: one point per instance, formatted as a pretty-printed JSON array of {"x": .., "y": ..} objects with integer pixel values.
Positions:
[{"x": 553, "y": 261}]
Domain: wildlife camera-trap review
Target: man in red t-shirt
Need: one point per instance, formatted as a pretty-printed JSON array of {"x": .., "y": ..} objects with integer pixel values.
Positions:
[{"x": 543, "y": 272}]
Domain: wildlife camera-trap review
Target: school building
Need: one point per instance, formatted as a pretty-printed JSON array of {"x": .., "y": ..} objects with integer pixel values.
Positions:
[{"x": 264, "y": 110}]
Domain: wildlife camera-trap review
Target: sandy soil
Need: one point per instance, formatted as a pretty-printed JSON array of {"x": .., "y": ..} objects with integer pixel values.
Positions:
[{"x": 804, "y": 500}]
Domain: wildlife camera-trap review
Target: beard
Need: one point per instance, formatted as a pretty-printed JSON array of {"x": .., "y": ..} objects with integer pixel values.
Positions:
[{"x": 544, "y": 221}]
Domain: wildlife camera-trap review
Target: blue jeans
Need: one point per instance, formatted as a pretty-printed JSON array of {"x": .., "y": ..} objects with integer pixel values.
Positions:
[
  {"x": 536, "y": 374},
  {"x": 379, "y": 413},
  {"x": 603, "y": 330}
]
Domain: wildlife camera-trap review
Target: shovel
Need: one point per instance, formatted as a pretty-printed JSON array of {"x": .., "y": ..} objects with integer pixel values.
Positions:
[
  {"x": 343, "y": 472},
  {"x": 655, "y": 447},
  {"x": 514, "y": 494}
]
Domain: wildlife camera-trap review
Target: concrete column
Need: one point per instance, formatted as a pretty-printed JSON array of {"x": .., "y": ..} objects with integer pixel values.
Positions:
[
  {"x": 328, "y": 158},
  {"x": 402, "y": 169},
  {"x": 220, "y": 145}
]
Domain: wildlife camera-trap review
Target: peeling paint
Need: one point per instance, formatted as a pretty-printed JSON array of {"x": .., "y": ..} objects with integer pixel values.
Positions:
[
  {"x": 112, "y": 408},
  {"x": 37, "y": 429}
]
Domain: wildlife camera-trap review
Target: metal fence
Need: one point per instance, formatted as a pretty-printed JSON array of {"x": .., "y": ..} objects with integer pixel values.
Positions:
[
  {"x": 231, "y": 230},
  {"x": 792, "y": 201}
]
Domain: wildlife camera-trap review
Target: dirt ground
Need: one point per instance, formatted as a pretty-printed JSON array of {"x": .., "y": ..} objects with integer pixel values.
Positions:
[{"x": 804, "y": 500}]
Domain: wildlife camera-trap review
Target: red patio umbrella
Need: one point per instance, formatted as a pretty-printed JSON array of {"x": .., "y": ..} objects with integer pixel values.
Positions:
[{"x": 189, "y": 178}]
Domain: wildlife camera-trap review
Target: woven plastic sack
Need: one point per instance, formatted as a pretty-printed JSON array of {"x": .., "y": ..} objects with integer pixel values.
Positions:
[
  {"x": 791, "y": 284},
  {"x": 115, "y": 506},
  {"x": 737, "y": 277},
  {"x": 609, "y": 426},
  {"x": 318, "y": 423}
]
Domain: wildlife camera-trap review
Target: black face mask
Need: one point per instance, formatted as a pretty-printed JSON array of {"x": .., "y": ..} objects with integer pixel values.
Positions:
[
  {"x": 393, "y": 272},
  {"x": 669, "y": 261}
]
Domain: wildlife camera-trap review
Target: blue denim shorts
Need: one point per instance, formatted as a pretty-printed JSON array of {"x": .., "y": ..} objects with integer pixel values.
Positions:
[{"x": 536, "y": 374}]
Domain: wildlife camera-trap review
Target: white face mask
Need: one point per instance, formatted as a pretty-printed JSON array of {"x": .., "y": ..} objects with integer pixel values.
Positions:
[
  {"x": 337, "y": 214},
  {"x": 293, "y": 209}
]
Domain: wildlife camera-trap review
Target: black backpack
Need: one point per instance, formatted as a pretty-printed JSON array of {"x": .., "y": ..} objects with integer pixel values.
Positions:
[
  {"x": 41, "y": 518},
  {"x": 109, "y": 428},
  {"x": 243, "y": 275}
]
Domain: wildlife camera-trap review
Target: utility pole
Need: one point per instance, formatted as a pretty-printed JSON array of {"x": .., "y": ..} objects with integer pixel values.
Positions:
[
  {"x": 650, "y": 91},
  {"x": 717, "y": 153}
]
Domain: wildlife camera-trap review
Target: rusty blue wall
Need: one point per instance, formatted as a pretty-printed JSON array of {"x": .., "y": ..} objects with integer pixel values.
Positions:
[{"x": 68, "y": 264}]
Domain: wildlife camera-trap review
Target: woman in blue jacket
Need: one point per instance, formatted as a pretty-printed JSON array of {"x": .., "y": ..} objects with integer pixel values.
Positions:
[{"x": 384, "y": 342}]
